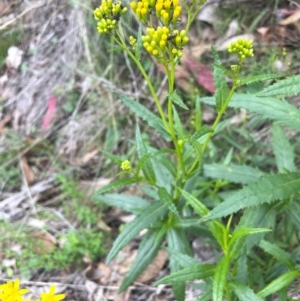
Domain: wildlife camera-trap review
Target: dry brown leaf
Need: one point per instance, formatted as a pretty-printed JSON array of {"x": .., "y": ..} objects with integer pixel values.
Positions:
[
  {"x": 295, "y": 17},
  {"x": 4, "y": 8},
  {"x": 3, "y": 122},
  {"x": 154, "y": 268},
  {"x": 45, "y": 242},
  {"x": 85, "y": 159},
  {"x": 99, "y": 273},
  {"x": 27, "y": 171}
]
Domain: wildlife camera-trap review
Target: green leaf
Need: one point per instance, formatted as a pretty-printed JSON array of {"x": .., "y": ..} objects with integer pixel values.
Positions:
[
  {"x": 195, "y": 272},
  {"x": 258, "y": 78},
  {"x": 112, "y": 157},
  {"x": 283, "y": 150},
  {"x": 222, "y": 91},
  {"x": 203, "y": 131},
  {"x": 146, "y": 115},
  {"x": 268, "y": 189},
  {"x": 233, "y": 173},
  {"x": 220, "y": 278},
  {"x": 285, "y": 87},
  {"x": 200, "y": 209},
  {"x": 269, "y": 108},
  {"x": 148, "y": 249},
  {"x": 183, "y": 260},
  {"x": 279, "y": 283},
  {"x": 245, "y": 232},
  {"x": 227, "y": 72},
  {"x": 198, "y": 114},
  {"x": 148, "y": 216},
  {"x": 142, "y": 161},
  {"x": 142, "y": 151},
  {"x": 168, "y": 201},
  {"x": 177, "y": 99},
  {"x": 117, "y": 184},
  {"x": 177, "y": 124},
  {"x": 243, "y": 292},
  {"x": 278, "y": 253},
  {"x": 129, "y": 203},
  {"x": 177, "y": 240},
  {"x": 139, "y": 44}
]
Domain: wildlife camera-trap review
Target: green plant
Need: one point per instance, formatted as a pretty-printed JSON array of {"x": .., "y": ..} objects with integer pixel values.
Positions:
[{"x": 186, "y": 191}]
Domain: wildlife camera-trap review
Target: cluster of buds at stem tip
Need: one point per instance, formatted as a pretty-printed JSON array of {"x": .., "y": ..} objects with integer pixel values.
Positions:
[
  {"x": 162, "y": 42},
  {"x": 166, "y": 11},
  {"x": 108, "y": 15},
  {"x": 242, "y": 47}
]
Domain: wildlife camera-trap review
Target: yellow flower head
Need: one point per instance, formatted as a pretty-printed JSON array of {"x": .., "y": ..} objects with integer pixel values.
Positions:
[
  {"x": 242, "y": 47},
  {"x": 50, "y": 296},
  {"x": 11, "y": 292},
  {"x": 126, "y": 166}
]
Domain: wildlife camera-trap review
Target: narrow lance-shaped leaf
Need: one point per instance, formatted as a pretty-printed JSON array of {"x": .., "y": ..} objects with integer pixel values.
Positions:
[
  {"x": 142, "y": 151},
  {"x": 283, "y": 150},
  {"x": 126, "y": 202},
  {"x": 220, "y": 278},
  {"x": 243, "y": 292},
  {"x": 189, "y": 274},
  {"x": 203, "y": 131},
  {"x": 177, "y": 99},
  {"x": 168, "y": 201},
  {"x": 148, "y": 249},
  {"x": 117, "y": 184},
  {"x": 258, "y": 78},
  {"x": 268, "y": 189},
  {"x": 146, "y": 115},
  {"x": 285, "y": 87},
  {"x": 220, "y": 83},
  {"x": 278, "y": 253},
  {"x": 234, "y": 173},
  {"x": 177, "y": 124},
  {"x": 271, "y": 108},
  {"x": 277, "y": 284},
  {"x": 148, "y": 216},
  {"x": 112, "y": 157}
]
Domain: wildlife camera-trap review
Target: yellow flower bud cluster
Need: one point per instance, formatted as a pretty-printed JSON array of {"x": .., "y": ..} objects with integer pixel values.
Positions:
[
  {"x": 126, "y": 166},
  {"x": 132, "y": 42},
  {"x": 161, "y": 42},
  {"x": 243, "y": 47},
  {"x": 167, "y": 11},
  {"x": 108, "y": 14}
]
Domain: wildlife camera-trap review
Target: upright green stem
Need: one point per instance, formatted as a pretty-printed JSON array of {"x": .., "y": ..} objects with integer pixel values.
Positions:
[{"x": 147, "y": 79}]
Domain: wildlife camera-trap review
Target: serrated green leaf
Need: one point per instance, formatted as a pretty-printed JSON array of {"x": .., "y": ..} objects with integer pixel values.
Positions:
[
  {"x": 245, "y": 232},
  {"x": 183, "y": 260},
  {"x": 142, "y": 151},
  {"x": 220, "y": 278},
  {"x": 268, "y": 189},
  {"x": 258, "y": 78},
  {"x": 283, "y": 150},
  {"x": 269, "y": 108},
  {"x": 148, "y": 249},
  {"x": 219, "y": 232},
  {"x": 222, "y": 91},
  {"x": 243, "y": 292},
  {"x": 200, "y": 209},
  {"x": 112, "y": 157},
  {"x": 146, "y": 115},
  {"x": 129, "y": 203},
  {"x": 233, "y": 173},
  {"x": 189, "y": 274},
  {"x": 177, "y": 124},
  {"x": 177, "y": 240},
  {"x": 177, "y": 99},
  {"x": 279, "y": 283},
  {"x": 117, "y": 184},
  {"x": 142, "y": 161},
  {"x": 203, "y": 131},
  {"x": 139, "y": 44},
  {"x": 148, "y": 216},
  {"x": 242, "y": 267},
  {"x": 285, "y": 87},
  {"x": 227, "y": 72},
  {"x": 168, "y": 201},
  {"x": 278, "y": 253},
  {"x": 293, "y": 211}
]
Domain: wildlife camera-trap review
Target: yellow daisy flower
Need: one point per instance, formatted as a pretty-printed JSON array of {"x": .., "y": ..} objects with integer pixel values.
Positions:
[{"x": 50, "y": 295}]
